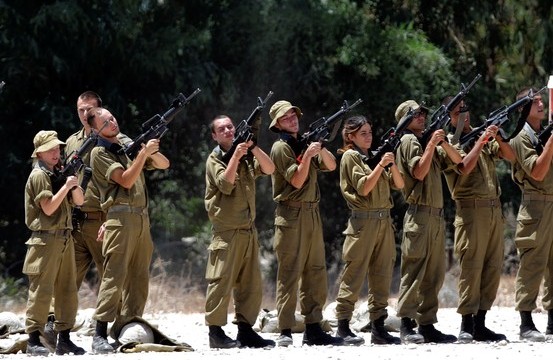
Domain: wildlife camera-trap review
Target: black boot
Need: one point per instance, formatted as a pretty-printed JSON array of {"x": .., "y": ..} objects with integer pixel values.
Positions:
[
  {"x": 345, "y": 333},
  {"x": 285, "y": 338},
  {"x": 528, "y": 330},
  {"x": 407, "y": 333},
  {"x": 314, "y": 335},
  {"x": 35, "y": 347},
  {"x": 549, "y": 330},
  {"x": 219, "y": 340},
  {"x": 100, "y": 344},
  {"x": 481, "y": 332},
  {"x": 467, "y": 328},
  {"x": 49, "y": 334},
  {"x": 379, "y": 334},
  {"x": 249, "y": 338},
  {"x": 433, "y": 335},
  {"x": 66, "y": 346}
]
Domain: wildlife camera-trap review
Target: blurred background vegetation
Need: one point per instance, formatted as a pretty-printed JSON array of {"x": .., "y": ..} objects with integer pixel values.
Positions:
[{"x": 139, "y": 54}]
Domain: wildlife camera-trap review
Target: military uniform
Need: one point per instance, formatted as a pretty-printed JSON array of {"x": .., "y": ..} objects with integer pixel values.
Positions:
[
  {"x": 534, "y": 226},
  {"x": 478, "y": 230},
  {"x": 298, "y": 243},
  {"x": 49, "y": 262},
  {"x": 369, "y": 248},
  {"x": 127, "y": 246},
  {"x": 233, "y": 263},
  {"x": 423, "y": 245}
]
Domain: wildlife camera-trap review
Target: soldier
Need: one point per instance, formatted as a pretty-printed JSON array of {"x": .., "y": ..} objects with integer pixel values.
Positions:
[
  {"x": 474, "y": 185},
  {"x": 423, "y": 242},
  {"x": 533, "y": 173},
  {"x": 233, "y": 263},
  {"x": 127, "y": 244},
  {"x": 50, "y": 259},
  {"x": 298, "y": 240},
  {"x": 369, "y": 248}
]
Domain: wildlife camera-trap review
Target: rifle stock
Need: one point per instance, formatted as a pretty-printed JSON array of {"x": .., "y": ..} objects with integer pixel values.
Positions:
[
  {"x": 441, "y": 118},
  {"x": 243, "y": 132},
  {"x": 156, "y": 126}
]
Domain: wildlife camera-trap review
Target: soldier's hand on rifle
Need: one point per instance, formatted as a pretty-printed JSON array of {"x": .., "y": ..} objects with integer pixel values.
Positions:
[
  {"x": 313, "y": 149},
  {"x": 242, "y": 149},
  {"x": 490, "y": 133},
  {"x": 388, "y": 159},
  {"x": 437, "y": 137},
  {"x": 72, "y": 182},
  {"x": 151, "y": 147}
]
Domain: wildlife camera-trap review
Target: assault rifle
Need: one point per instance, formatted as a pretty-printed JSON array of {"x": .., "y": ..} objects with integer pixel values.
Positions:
[
  {"x": 77, "y": 214},
  {"x": 243, "y": 132},
  {"x": 441, "y": 118},
  {"x": 543, "y": 136},
  {"x": 156, "y": 126},
  {"x": 325, "y": 129},
  {"x": 391, "y": 140},
  {"x": 501, "y": 116},
  {"x": 2, "y": 83}
]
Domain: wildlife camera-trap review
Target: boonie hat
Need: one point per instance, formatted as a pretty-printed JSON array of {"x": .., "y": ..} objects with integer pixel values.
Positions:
[
  {"x": 404, "y": 107},
  {"x": 279, "y": 109},
  {"x": 45, "y": 140}
]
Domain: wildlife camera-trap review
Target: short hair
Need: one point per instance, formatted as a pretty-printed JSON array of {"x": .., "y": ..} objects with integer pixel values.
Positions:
[
  {"x": 525, "y": 91},
  {"x": 91, "y": 115},
  {"x": 212, "y": 122},
  {"x": 91, "y": 95}
]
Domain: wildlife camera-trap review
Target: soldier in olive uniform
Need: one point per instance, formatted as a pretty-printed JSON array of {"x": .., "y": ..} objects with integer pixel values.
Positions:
[
  {"x": 423, "y": 242},
  {"x": 474, "y": 185},
  {"x": 298, "y": 242},
  {"x": 233, "y": 264},
  {"x": 369, "y": 248},
  {"x": 50, "y": 260},
  {"x": 127, "y": 244},
  {"x": 533, "y": 173}
]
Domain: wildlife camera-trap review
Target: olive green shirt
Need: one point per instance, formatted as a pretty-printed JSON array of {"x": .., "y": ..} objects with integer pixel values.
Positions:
[
  {"x": 92, "y": 195},
  {"x": 526, "y": 159},
  {"x": 37, "y": 188},
  {"x": 428, "y": 191},
  {"x": 353, "y": 175},
  {"x": 286, "y": 165},
  {"x": 230, "y": 206},
  {"x": 482, "y": 182},
  {"x": 104, "y": 161}
]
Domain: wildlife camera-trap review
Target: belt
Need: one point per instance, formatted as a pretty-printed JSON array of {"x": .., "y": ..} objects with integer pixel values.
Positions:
[
  {"x": 370, "y": 214},
  {"x": 62, "y": 232},
  {"x": 127, "y": 209},
  {"x": 94, "y": 215},
  {"x": 426, "y": 209},
  {"x": 300, "y": 204},
  {"x": 475, "y": 203},
  {"x": 537, "y": 197}
]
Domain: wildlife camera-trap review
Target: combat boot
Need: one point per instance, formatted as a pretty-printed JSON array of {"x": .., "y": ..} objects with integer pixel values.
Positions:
[
  {"x": 407, "y": 333},
  {"x": 35, "y": 347},
  {"x": 433, "y": 335},
  {"x": 100, "y": 344},
  {"x": 314, "y": 335},
  {"x": 66, "y": 346},
  {"x": 549, "y": 330},
  {"x": 49, "y": 334},
  {"x": 249, "y": 338},
  {"x": 481, "y": 332},
  {"x": 528, "y": 330},
  {"x": 345, "y": 333},
  {"x": 379, "y": 334},
  {"x": 285, "y": 338},
  {"x": 219, "y": 340},
  {"x": 467, "y": 328}
]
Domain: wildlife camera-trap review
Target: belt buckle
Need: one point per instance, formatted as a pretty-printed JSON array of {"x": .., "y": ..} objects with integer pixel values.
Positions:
[{"x": 381, "y": 214}]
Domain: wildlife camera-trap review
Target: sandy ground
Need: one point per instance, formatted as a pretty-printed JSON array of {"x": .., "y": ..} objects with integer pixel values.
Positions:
[{"x": 190, "y": 328}]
